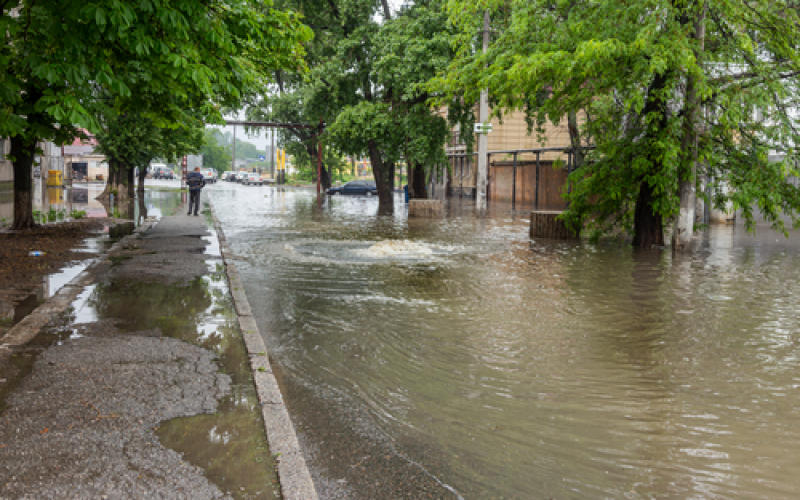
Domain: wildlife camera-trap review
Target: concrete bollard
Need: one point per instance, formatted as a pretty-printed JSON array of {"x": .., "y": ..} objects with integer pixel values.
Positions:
[
  {"x": 425, "y": 208},
  {"x": 544, "y": 224}
]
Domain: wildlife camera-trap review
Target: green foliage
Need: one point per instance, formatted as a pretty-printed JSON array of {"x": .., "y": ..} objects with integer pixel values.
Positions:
[
  {"x": 77, "y": 214},
  {"x": 59, "y": 52},
  {"x": 170, "y": 64},
  {"x": 407, "y": 51},
  {"x": 215, "y": 155},
  {"x": 638, "y": 74},
  {"x": 366, "y": 82},
  {"x": 306, "y": 164}
]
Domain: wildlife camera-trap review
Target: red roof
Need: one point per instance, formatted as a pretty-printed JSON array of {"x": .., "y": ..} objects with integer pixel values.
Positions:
[{"x": 91, "y": 141}]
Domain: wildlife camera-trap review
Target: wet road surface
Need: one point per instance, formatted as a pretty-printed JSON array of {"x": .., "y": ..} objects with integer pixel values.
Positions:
[{"x": 454, "y": 357}]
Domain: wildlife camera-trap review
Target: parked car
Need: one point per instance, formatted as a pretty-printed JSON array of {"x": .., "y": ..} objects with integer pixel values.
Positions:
[
  {"x": 241, "y": 176},
  {"x": 227, "y": 175},
  {"x": 253, "y": 178},
  {"x": 162, "y": 172},
  {"x": 355, "y": 187},
  {"x": 209, "y": 175}
]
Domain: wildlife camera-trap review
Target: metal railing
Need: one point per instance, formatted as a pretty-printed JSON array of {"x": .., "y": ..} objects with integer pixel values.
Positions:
[{"x": 570, "y": 165}]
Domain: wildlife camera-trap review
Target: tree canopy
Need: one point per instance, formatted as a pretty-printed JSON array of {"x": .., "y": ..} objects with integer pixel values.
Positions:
[
  {"x": 673, "y": 93},
  {"x": 68, "y": 63},
  {"x": 366, "y": 81},
  {"x": 215, "y": 154}
]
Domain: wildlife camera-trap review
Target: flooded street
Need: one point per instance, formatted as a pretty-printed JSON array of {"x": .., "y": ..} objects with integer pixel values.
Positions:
[
  {"x": 453, "y": 357},
  {"x": 159, "y": 199}
]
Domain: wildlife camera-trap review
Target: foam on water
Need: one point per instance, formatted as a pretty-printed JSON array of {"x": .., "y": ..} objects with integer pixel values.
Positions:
[
  {"x": 403, "y": 249},
  {"x": 354, "y": 252}
]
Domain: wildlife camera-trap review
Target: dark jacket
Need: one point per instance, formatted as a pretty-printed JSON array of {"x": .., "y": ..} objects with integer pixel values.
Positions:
[{"x": 195, "y": 181}]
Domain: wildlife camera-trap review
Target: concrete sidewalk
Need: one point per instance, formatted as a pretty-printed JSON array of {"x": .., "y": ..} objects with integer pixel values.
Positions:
[{"x": 147, "y": 335}]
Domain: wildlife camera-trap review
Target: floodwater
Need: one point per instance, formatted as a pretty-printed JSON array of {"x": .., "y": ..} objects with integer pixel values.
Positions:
[
  {"x": 454, "y": 357},
  {"x": 159, "y": 199},
  {"x": 229, "y": 445}
]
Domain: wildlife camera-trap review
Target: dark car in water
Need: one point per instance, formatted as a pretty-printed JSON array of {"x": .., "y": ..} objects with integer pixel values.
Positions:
[{"x": 355, "y": 187}]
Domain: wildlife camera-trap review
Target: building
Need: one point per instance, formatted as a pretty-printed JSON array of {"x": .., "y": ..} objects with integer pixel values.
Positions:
[
  {"x": 6, "y": 169},
  {"x": 82, "y": 163},
  {"x": 515, "y": 173}
]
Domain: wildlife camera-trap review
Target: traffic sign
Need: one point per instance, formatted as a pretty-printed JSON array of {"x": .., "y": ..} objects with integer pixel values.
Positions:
[{"x": 483, "y": 128}]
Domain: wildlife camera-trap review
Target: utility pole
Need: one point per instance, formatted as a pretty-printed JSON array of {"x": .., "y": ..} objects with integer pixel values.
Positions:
[
  {"x": 233, "y": 160},
  {"x": 483, "y": 139},
  {"x": 272, "y": 156},
  {"x": 319, "y": 159}
]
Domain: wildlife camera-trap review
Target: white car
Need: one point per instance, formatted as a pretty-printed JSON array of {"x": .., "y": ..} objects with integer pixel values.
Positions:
[
  {"x": 241, "y": 176},
  {"x": 209, "y": 175},
  {"x": 253, "y": 178}
]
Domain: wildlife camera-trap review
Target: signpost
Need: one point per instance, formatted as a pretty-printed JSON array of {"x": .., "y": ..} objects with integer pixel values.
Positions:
[
  {"x": 184, "y": 170},
  {"x": 483, "y": 140},
  {"x": 483, "y": 128}
]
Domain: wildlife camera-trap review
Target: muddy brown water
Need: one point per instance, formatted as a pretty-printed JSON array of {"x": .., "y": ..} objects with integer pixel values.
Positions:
[{"x": 454, "y": 357}]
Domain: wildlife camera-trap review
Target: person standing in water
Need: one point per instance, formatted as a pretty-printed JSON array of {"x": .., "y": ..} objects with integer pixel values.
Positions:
[{"x": 195, "y": 182}]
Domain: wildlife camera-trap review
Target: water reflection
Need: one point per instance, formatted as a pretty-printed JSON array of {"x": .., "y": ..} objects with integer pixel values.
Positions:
[
  {"x": 160, "y": 199},
  {"x": 230, "y": 444},
  {"x": 492, "y": 366}
]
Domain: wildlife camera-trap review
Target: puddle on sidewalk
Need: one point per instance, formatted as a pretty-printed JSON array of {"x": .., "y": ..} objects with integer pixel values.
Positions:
[
  {"x": 16, "y": 304},
  {"x": 229, "y": 445}
]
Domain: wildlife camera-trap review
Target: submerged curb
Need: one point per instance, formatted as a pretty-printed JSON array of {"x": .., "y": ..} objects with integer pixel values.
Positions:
[
  {"x": 32, "y": 324},
  {"x": 293, "y": 473}
]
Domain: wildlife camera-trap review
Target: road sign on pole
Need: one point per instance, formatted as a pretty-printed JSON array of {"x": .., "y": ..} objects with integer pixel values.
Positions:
[
  {"x": 483, "y": 128},
  {"x": 483, "y": 140}
]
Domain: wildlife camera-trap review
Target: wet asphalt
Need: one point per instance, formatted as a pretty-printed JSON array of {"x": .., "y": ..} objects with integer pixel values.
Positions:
[{"x": 82, "y": 423}]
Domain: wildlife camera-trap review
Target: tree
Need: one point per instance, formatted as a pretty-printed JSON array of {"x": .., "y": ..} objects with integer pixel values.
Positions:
[
  {"x": 61, "y": 58},
  {"x": 366, "y": 83},
  {"x": 215, "y": 155},
  {"x": 674, "y": 93},
  {"x": 398, "y": 122},
  {"x": 130, "y": 139}
]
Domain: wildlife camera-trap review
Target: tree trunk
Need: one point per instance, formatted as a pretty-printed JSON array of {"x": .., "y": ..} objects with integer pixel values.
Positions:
[
  {"x": 684, "y": 223},
  {"x": 140, "y": 185},
  {"x": 125, "y": 208},
  {"x": 111, "y": 182},
  {"x": 129, "y": 181},
  {"x": 142, "y": 208},
  {"x": 325, "y": 178},
  {"x": 647, "y": 226},
  {"x": 383, "y": 181},
  {"x": 22, "y": 151},
  {"x": 575, "y": 138},
  {"x": 120, "y": 184},
  {"x": 417, "y": 187}
]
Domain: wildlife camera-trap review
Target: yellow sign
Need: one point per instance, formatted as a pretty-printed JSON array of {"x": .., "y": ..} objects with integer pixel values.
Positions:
[
  {"x": 54, "y": 178},
  {"x": 281, "y": 159}
]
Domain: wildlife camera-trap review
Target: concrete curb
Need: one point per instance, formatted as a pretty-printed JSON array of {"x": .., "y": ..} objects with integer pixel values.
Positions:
[
  {"x": 293, "y": 473},
  {"x": 32, "y": 324}
]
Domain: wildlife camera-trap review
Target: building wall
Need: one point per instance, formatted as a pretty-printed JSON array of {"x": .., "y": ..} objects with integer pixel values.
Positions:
[
  {"x": 6, "y": 170},
  {"x": 511, "y": 133}
]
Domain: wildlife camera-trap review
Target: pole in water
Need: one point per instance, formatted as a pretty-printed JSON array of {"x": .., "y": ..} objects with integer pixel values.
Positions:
[{"x": 483, "y": 140}]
